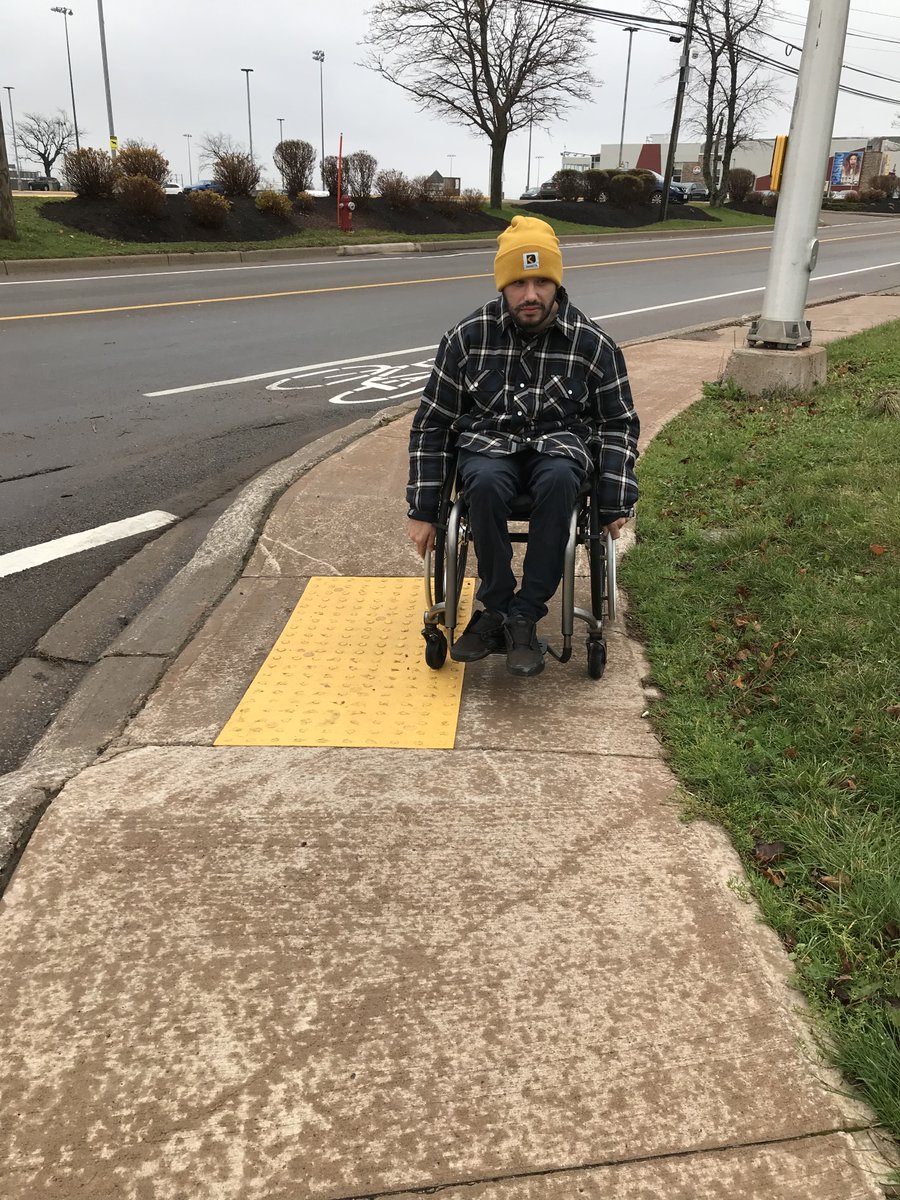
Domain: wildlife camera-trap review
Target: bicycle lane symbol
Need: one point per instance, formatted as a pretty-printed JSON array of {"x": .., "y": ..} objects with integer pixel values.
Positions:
[{"x": 360, "y": 383}]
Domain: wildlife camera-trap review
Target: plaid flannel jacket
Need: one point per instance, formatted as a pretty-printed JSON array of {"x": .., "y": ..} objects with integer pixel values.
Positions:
[{"x": 491, "y": 390}]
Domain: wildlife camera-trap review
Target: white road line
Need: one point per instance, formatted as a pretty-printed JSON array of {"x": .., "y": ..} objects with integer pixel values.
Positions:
[
  {"x": 634, "y": 312},
  {"x": 338, "y": 362},
  {"x": 74, "y": 543}
]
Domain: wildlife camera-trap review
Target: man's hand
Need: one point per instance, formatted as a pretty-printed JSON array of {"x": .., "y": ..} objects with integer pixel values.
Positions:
[
  {"x": 421, "y": 534},
  {"x": 614, "y": 528}
]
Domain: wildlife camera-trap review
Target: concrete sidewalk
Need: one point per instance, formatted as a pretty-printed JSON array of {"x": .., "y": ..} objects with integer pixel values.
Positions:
[{"x": 506, "y": 970}]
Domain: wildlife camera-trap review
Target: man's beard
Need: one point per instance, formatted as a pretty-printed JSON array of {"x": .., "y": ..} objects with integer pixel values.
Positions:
[{"x": 533, "y": 314}]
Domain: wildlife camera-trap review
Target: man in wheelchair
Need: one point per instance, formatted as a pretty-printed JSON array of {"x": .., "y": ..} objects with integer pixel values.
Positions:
[{"x": 530, "y": 396}]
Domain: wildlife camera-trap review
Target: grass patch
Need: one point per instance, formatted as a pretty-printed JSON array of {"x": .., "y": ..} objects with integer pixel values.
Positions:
[
  {"x": 40, "y": 237},
  {"x": 766, "y": 585}
]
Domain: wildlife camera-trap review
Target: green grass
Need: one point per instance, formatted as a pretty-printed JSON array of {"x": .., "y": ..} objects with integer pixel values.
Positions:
[
  {"x": 766, "y": 586},
  {"x": 40, "y": 237}
]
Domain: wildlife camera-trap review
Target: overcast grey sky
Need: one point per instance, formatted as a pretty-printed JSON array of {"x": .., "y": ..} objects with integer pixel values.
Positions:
[{"x": 175, "y": 68}]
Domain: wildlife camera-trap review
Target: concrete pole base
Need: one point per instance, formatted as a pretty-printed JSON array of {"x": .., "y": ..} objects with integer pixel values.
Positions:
[{"x": 758, "y": 371}]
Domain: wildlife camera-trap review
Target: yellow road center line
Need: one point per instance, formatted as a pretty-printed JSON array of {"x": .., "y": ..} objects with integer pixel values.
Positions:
[{"x": 361, "y": 287}]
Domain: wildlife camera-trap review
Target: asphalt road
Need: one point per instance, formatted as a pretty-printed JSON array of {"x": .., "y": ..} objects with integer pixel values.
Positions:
[{"x": 165, "y": 389}]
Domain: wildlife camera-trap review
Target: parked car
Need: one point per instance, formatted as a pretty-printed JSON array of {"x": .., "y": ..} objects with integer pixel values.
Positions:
[
  {"x": 548, "y": 191},
  {"x": 694, "y": 191},
  {"x": 172, "y": 189},
  {"x": 44, "y": 185},
  {"x": 206, "y": 185},
  {"x": 531, "y": 194},
  {"x": 676, "y": 195}
]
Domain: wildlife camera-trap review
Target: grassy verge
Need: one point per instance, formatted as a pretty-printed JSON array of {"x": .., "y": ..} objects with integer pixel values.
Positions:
[
  {"x": 40, "y": 237},
  {"x": 766, "y": 585}
]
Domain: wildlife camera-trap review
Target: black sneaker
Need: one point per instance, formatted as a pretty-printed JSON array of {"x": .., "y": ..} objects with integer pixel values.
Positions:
[
  {"x": 482, "y": 636},
  {"x": 524, "y": 655}
]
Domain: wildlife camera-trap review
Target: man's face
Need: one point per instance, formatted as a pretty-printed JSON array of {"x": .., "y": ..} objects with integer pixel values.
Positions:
[{"x": 530, "y": 300}]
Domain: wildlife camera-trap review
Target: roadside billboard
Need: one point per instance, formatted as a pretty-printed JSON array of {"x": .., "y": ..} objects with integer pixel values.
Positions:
[{"x": 847, "y": 168}]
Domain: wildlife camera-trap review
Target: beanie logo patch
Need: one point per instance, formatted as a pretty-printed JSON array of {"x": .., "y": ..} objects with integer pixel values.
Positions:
[{"x": 531, "y": 261}]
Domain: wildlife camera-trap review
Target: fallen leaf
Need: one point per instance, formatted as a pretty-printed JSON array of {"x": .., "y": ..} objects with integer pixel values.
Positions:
[
  {"x": 848, "y": 785},
  {"x": 776, "y": 877},
  {"x": 738, "y": 683},
  {"x": 834, "y": 882},
  {"x": 802, "y": 571},
  {"x": 878, "y": 549},
  {"x": 893, "y": 710},
  {"x": 741, "y": 592},
  {"x": 790, "y": 752}
]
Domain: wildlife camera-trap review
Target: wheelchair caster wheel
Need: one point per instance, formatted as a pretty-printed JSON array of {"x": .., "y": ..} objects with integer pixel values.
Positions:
[
  {"x": 596, "y": 659},
  {"x": 435, "y": 647}
]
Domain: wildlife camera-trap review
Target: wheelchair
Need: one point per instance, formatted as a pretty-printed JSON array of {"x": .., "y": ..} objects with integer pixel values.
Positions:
[{"x": 445, "y": 569}]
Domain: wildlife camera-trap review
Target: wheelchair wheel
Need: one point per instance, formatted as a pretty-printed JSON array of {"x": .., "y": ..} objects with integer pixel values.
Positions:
[
  {"x": 440, "y": 563},
  {"x": 435, "y": 647},
  {"x": 596, "y": 658}
]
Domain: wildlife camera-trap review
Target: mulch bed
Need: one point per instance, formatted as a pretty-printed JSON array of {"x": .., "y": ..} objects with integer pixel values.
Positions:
[
  {"x": 583, "y": 212},
  {"x": 108, "y": 219}
]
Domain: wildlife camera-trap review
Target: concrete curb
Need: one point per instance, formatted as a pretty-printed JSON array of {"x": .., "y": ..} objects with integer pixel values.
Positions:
[{"x": 115, "y": 688}]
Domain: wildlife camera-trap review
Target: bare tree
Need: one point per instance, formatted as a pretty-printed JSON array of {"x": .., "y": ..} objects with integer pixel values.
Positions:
[
  {"x": 214, "y": 146},
  {"x": 295, "y": 161},
  {"x": 7, "y": 212},
  {"x": 733, "y": 90},
  {"x": 44, "y": 139},
  {"x": 490, "y": 64},
  {"x": 359, "y": 172}
]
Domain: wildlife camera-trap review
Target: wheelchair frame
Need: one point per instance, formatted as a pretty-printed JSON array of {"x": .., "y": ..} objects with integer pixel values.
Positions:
[{"x": 445, "y": 569}]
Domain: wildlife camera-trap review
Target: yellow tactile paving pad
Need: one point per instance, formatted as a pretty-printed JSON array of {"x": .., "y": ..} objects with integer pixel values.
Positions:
[{"x": 349, "y": 670}]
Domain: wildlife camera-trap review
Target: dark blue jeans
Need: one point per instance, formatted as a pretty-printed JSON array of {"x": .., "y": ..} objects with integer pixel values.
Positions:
[{"x": 490, "y": 485}]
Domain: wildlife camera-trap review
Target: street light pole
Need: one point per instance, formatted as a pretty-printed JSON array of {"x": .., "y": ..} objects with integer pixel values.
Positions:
[
  {"x": 538, "y": 159},
  {"x": 247, "y": 72},
  {"x": 280, "y": 121},
  {"x": 795, "y": 247},
  {"x": 319, "y": 57},
  {"x": 113, "y": 140},
  {"x": 190, "y": 168},
  {"x": 67, "y": 12},
  {"x": 631, "y": 30},
  {"x": 10, "y": 88}
]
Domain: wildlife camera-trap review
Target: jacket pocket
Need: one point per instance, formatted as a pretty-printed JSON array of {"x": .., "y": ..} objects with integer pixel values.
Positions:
[
  {"x": 487, "y": 391},
  {"x": 565, "y": 395}
]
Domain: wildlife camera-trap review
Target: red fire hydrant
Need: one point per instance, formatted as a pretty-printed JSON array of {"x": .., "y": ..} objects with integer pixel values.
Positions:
[{"x": 345, "y": 214}]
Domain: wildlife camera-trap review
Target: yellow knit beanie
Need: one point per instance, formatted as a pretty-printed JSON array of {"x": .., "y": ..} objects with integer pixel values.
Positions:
[{"x": 528, "y": 248}]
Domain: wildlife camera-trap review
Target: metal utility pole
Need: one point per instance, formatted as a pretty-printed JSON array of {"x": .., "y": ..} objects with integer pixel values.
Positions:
[
  {"x": 319, "y": 57},
  {"x": 10, "y": 88},
  {"x": 7, "y": 212},
  {"x": 631, "y": 30},
  {"x": 247, "y": 72},
  {"x": 679, "y": 105},
  {"x": 190, "y": 168},
  {"x": 795, "y": 247},
  {"x": 530, "y": 125},
  {"x": 280, "y": 121},
  {"x": 67, "y": 12},
  {"x": 113, "y": 140}
]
